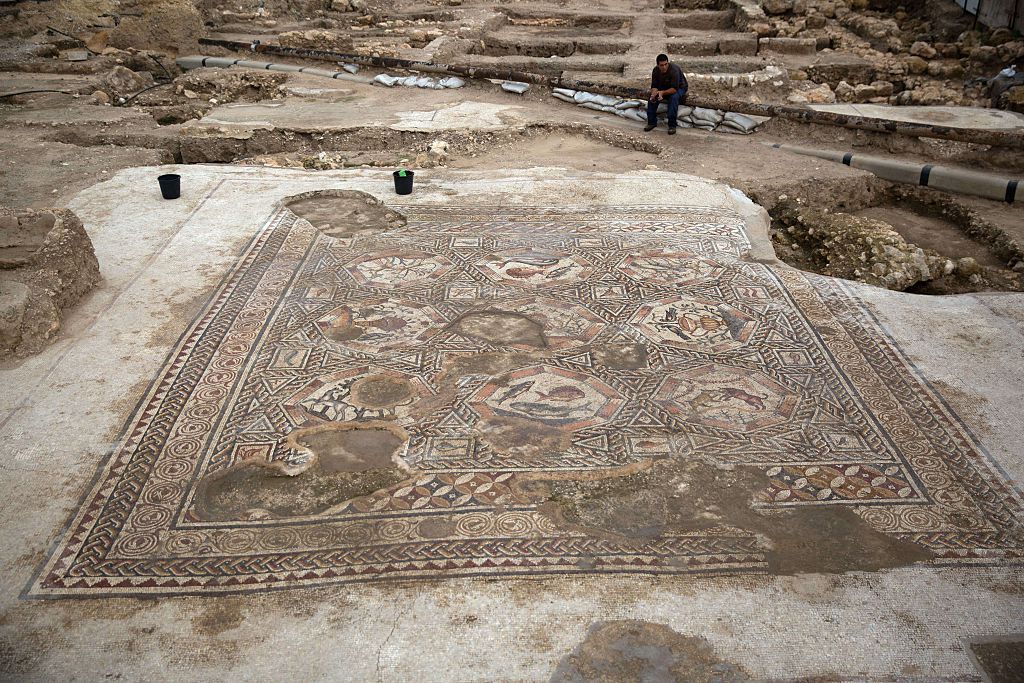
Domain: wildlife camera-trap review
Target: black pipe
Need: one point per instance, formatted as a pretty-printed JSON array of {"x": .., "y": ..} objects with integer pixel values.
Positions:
[
  {"x": 129, "y": 99},
  {"x": 28, "y": 92}
]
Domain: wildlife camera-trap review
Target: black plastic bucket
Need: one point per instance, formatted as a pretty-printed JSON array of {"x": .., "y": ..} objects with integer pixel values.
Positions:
[
  {"x": 403, "y": 185},
  {"x": 170, "y": 185}
]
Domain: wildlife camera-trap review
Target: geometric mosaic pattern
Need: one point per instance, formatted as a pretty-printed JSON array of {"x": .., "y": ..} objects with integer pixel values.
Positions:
[{"x": 744, "y": 363}]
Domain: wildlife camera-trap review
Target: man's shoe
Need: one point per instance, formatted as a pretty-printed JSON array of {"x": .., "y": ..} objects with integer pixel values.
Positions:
[
  {"x": 648, "y": 129},
  {"x": 671, "y": 131}
]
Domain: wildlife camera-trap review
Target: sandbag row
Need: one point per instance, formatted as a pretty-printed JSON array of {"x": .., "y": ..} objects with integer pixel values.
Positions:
[
  {"x": 688, "y": 117},
  {"x": 420, "y": 82}
]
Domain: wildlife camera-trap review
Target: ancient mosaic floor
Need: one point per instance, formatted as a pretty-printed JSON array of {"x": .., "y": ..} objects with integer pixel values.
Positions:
[{"x": 360, "y": 404}]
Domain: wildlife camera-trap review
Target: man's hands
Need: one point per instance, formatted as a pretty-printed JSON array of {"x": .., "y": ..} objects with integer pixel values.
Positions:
[{"x": 655, "y": 95}]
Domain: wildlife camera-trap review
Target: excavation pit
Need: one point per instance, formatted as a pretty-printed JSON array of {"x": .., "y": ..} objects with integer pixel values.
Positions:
[
  {"x": 929, "y": 231},
  {"x": 905, "y": 239}
]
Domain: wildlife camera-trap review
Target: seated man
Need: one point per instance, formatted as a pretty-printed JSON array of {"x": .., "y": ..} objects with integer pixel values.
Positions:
[{"x": 668, "y": 84}]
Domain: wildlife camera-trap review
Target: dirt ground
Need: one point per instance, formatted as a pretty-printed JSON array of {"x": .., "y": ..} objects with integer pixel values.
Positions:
[{"x": 116, "y": 100}]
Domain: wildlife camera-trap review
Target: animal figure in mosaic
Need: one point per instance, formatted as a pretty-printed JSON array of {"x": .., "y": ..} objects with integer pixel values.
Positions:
[{"x": 721, "y": 397}]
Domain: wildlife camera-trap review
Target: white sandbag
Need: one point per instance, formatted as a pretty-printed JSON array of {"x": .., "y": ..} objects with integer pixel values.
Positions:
[
  {"x": 740, "y": 122},
  {"x": 629, "y": 104},
  {"x": 514, "y": 86},
  {"x": 709, "y": 115},
  {"x": 564, "y": 91},
  {"x": 351, "y": 68},
  {"x": 606, "y": 100},
  {"x": 385, "y": 80},
  {"x": 564, "y": 98},
  {"x": 451, "y": 82},
  {"x": 590, "y": 105},
  {"x": 637, "y": 114},
  {"x": 425, "y": 82},
  {"x": 582, "y": 96},
  {"x": 409, "y": 81},
  {"x": 662, "y": 108},
  {"x": 730, "y": 129},
  {"x": 685, "y": 111}
]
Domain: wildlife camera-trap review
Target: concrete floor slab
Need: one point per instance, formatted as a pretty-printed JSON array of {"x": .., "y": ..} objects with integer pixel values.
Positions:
[
  {"x": 69, "y": 403},
  {"x": 419, "y": 110},
  {"x": 954, "y": 117}
]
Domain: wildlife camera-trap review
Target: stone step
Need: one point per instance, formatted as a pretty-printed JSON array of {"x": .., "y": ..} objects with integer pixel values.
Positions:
[
  {"x": 507, "y": 43},
  {"x": 706, "y": 44},
  {"x": 523, "y": 14},
  {"x": 721, "y": 64},
  {"x": 701, "y": 20},
  {"x": 689, "y": 5},
  {"x": 788, "y": 46},
  {"x": 544, "y": 65}
]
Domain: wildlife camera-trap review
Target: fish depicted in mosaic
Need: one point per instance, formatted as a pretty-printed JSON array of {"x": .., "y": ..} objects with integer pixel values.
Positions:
[
  {"x": 523, "y": 273},
  {"x": 539, "y": 260},
  {"x": 546, "y": 410},
  {"x": 515, "y": 391},
  {"x": 563, "y": 393}
]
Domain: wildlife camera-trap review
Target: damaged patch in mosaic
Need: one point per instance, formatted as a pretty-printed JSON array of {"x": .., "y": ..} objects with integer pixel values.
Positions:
[{"x": 348, "y": 461}]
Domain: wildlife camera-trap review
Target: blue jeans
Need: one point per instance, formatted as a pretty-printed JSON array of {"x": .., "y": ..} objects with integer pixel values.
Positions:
[{"x": 673, "y": 109}]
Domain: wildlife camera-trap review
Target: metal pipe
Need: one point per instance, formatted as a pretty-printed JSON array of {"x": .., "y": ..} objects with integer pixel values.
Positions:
[
  {"x": 998, "y": 138},
  {"x": 946, "y": 178}
]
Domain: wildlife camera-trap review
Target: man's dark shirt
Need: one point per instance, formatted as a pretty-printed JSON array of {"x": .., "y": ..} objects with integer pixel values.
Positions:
[{"x": 672, "y": 78}]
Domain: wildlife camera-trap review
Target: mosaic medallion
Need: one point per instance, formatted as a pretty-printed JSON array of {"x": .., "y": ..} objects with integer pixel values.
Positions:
[
  {"x": 395, "y": 269},
  {"x": 384, "y": 325},
  {"x": 551, "y": 396},
  {"x": 730, "y": 398},
  {"x": 534, "y": 267},
  {"x": 670, "y": 267},
  {"x": 357, "y": 394},
  {"x": 695, "y": 324},
  {"x": 386, "y": 406}
]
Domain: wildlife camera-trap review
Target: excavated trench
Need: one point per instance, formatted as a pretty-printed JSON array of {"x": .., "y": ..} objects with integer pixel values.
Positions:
[
  {"x": 323, "y": 150},
  {"x": 901, "y": 238}
]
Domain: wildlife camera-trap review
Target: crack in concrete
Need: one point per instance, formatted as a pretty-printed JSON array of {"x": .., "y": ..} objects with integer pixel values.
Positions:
[{"x": 394, "y": 627}]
